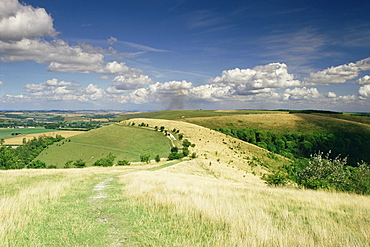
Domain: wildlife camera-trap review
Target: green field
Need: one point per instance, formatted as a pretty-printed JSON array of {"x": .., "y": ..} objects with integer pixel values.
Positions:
[
  {"x": 124, "y": 141},
  {"x": 7, "y": 133}
]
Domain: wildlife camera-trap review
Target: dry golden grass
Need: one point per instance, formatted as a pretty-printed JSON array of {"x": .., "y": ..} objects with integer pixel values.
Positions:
[
  {"x": 19, "y": 140},
  {"x": 216, "y": 151},
  {"x": 273, "y": 122},
  {"x": 233, "y": 214}
]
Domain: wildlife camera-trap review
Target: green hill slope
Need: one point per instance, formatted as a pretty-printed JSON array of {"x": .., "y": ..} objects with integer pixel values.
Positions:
[{"x": 125, "y": 142}]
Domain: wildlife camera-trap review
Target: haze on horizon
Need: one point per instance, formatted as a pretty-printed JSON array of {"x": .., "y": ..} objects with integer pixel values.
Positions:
[{"x": 184, "y": 54}]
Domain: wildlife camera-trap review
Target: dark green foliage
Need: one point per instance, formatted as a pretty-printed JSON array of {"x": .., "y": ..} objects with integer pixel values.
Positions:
[
  {"x": 68, "y": 164},
  {"x": 145, "y": 158},
  {"x": 185, "y": 151},
  {"x": 181, "y": 136},
  {"x": 174, "y": 149},
  {"x": 79, "y": 163},
  {"x": 9, "y": 159},
  {"x": 36, "y": 164},
  {"x": 186, "y": 143},
  {"x": 123, "y": 163},
  {"x": 23, "y": 155},
  {"x": 276, "y": 178},
  {"x": 320, "y": 172},
  {"x": 193, "y": 155},
  {"x": 175, "y": 156},
  {"x": 107, "y": 161},
  {"x": 353, "y": 145},
  {"x": 157, "y": 158}
]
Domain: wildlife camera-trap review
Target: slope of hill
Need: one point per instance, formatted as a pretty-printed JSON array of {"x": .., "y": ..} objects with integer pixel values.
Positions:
[
  {"x": 123, "y": 141},
  {"x": 219, "y": 155}
]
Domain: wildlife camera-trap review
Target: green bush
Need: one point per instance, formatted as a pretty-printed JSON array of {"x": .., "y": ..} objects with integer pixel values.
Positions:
[
  {"x": 276, "y": 178},
  {"x": 145, "y": 158},
  {"x": 37, "y": 164},
  {"x": 123, "y": 163}
]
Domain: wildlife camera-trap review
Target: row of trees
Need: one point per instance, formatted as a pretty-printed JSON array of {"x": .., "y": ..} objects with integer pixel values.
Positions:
[
  {"x": 24, "y": 155},
  {"x": 353, "y": 145}
]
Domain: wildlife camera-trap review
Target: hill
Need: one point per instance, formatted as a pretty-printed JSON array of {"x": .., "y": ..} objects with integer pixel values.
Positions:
[{"x": 126, "y": 142}]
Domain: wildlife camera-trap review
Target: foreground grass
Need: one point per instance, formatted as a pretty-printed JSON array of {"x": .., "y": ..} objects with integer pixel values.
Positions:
[
  {"x": 183, "y": 210},
  {"x": 126, "y": 206}
]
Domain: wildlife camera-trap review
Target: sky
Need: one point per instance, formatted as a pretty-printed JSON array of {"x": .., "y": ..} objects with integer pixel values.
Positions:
[{"x": 182, "y": 54}]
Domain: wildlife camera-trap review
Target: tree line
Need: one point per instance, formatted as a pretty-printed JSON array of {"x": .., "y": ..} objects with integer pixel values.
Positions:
[
  {"x": 354, "y": 146},
  {"x": 23, "y": 156}
]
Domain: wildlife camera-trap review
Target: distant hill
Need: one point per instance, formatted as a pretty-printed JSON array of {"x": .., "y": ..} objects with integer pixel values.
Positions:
[{"x": 126, "y": 142}]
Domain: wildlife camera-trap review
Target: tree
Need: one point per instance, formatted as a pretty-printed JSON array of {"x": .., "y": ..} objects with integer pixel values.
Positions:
[
  {"x": 157, "y": 159},
  {"x": 145, "y": 158}
]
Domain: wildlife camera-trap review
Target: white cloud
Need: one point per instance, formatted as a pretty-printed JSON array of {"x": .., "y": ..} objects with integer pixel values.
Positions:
[
  {"x": 364, "y": 91},
  {"x": 331, "y": 95},
  {"x": 1, "y": 83},
  {"x": 18, "y": 21},
  {"x": 130, "y": 81},
  {"x": 173, "y": 94},
  {"x": 112, "y": 40},
  {"x": 301, "y": 93},
  {"x": 338, "y": 74},
  {"x": 364, "y": 80},
  {"x": 256, "y": 80}
]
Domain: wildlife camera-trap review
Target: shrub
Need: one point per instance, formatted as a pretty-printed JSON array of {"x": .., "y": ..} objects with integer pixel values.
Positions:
[
  {"x": 79, "y": 163},
  {"x": 123, "y": 163},
  {"x": 107, "y": 161},
  {"x": 157, "y": 158},
  {"x": 37, "y": 164},
  {"x": 145, "y": 158},
  {"x": 276, "y": 178}
]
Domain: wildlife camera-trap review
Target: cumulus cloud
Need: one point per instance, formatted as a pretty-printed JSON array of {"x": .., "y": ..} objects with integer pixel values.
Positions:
[
  {"x": 338, "y": 74},
  {"x": 18, "y": 21},
  {"x": 64, "y": 91},
  {"x": 172, "y": 94},
  {"x": 130, "y": 81},
  {"x": 301, "y": 93},
  {"x": 364, "y": 80},
  {"x": 256, "y": 80},
  {"x": 364, "y": 91}
]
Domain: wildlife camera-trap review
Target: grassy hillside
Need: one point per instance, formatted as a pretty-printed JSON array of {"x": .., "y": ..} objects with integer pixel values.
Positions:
[
  {"x": 281, "y": 123},
  {"x": 7, "y": 133},
  {"x": 182, "y": 114},
  {"x": 124, "y": 141},
  {"x": 219, "y": 153}
]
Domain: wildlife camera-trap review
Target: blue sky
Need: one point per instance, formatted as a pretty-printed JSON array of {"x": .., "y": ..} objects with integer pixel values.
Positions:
[{"x": 179, "y": 54}]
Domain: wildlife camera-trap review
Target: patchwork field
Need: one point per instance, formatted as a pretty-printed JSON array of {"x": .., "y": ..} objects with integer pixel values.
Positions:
[{"x": 19, "y": 139}]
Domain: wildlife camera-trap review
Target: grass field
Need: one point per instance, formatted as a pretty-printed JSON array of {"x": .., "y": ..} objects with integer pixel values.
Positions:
[
  {"x": 180, "y": 205},
  {"x": 281, "y": 123},
  {"x": 124, "y": 141}
]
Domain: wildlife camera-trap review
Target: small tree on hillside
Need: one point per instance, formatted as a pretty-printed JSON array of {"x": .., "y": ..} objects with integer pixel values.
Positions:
[{"x": 145, "y": 158}]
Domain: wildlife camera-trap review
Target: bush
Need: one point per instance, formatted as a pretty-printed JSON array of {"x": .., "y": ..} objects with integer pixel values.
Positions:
[
  {"x": 145, "y": 158},
  {"x": 185, "y": 151},
  {"x": 175, "y": 156},
  {"x": 79, "y": 163},
  {"x": 107, "y": 161},
  {"x": 37, "y": 164},
  {"x": 276, "y": 178},
  {"x": 157, "y": 159},
  {"x": 123, "y": 163}
]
